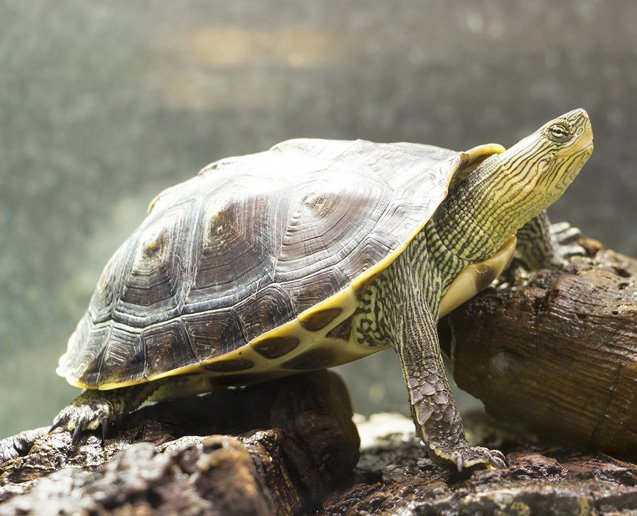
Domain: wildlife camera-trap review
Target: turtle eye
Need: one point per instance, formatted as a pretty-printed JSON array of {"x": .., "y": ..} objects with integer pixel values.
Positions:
[{"x": 559, "y": 132}]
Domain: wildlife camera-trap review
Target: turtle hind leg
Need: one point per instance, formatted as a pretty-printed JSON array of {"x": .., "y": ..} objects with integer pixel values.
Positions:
[{"x": 94, "y": 408}]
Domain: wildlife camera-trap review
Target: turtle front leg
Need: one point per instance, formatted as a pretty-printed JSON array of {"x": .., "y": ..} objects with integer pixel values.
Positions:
[
  {"x": 436, "y": 417},
  {"x": 545, "y": 245},
  {"x": 566, "y": 238},
  {"x": 94, "y": 408}
]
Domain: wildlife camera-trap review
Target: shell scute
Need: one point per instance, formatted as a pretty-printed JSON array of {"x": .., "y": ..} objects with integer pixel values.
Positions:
[
  {"x": 123, "y": 359},
  {"x": 271, "y": 308},
  {"x": 86, "y": 350},
  {"x": 150, "y": 276},
  {"x": 167, "y": 346},
  {"x": 105, "y": 294},
  {"x": 227, "y": 252},
  {"x": 317, "y": 239},
  {"x": 308, "y": 291},
  {"x": 214, "y": 333}
]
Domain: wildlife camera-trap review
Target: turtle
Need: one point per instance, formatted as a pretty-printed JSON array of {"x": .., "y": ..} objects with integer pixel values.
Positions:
[{"x": 312, "y": 254}]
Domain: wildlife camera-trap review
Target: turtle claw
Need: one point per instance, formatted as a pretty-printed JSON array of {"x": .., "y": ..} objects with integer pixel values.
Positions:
[
  {"x": 89, "y": 411},
  {"x": 77, "y": 433},
  {"x": 95, "y": 409},
  {"x": 498, "y": 460},
  {"x": 57, "y": 424},
  {"x": 106, "y": 423},
  {"x": 563, "y": 233},
  {"x": 465, "y": 456}
]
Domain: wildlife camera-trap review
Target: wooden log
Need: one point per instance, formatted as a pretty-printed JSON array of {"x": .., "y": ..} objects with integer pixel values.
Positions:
[
  {"x": 393, "y": 478},
  {"x": 557, "y": 355},
  {"x": 274, "y": 448}
]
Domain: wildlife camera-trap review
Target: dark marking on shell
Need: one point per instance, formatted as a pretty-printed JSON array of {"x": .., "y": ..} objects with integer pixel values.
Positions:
[
  {"x": 318, "y": 358},
  {"x": 275, "y": 347},
  {"x": 484, "y": 276},
  {"x": 342, "y": 331},
  {"x": 319, "y": 320},
  {"x": 229, "y": 365}
]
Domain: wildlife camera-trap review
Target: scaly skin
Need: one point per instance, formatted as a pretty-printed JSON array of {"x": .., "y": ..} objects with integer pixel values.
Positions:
[{"x": 409, "y": 324}]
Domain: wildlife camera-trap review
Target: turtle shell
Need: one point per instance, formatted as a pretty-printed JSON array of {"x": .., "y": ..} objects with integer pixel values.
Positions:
[{"x": 246, "y": 266}]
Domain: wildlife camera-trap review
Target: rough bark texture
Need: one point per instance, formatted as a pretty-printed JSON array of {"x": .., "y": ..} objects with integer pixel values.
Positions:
[
  {"x": 558, "y": 356},
  {"x": 392, "y": 477},
  {"x": 282, "y": 446}
]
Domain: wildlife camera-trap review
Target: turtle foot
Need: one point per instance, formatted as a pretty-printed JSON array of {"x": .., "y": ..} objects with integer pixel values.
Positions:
[
  {"x": 566, "y": 239},
  {"x": 466, "y": 457},
  {"x": 89, "y": 411},
  {"x": 94, "y": 408}
]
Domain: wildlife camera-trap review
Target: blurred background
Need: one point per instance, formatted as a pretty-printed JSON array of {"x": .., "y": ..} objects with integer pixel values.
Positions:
[{"x": 103, "y": 104}]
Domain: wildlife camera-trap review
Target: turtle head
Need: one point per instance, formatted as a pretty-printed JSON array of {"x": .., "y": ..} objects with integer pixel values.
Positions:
[
  {"x": 535, "y": 172},
  {"x": 509, "y": 189}
]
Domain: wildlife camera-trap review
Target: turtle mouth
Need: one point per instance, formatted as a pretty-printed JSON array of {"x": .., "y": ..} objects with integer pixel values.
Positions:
[
  {"x": 587, "y": 138},
  {"x": 577, "y": 163},
  {"x": 580, "y": 121}
]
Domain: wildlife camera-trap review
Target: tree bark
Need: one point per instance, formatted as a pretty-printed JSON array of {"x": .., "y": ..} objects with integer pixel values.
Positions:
[
  {"x": 392, "y": 477},
  {"x": 275, "y": 448},
  {"x": 557, "y": 356}
]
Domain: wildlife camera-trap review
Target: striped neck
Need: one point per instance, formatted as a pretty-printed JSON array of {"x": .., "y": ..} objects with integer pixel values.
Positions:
[
  {"x": 471, "y": 224},
  {"x": 506, "y": 191}
]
